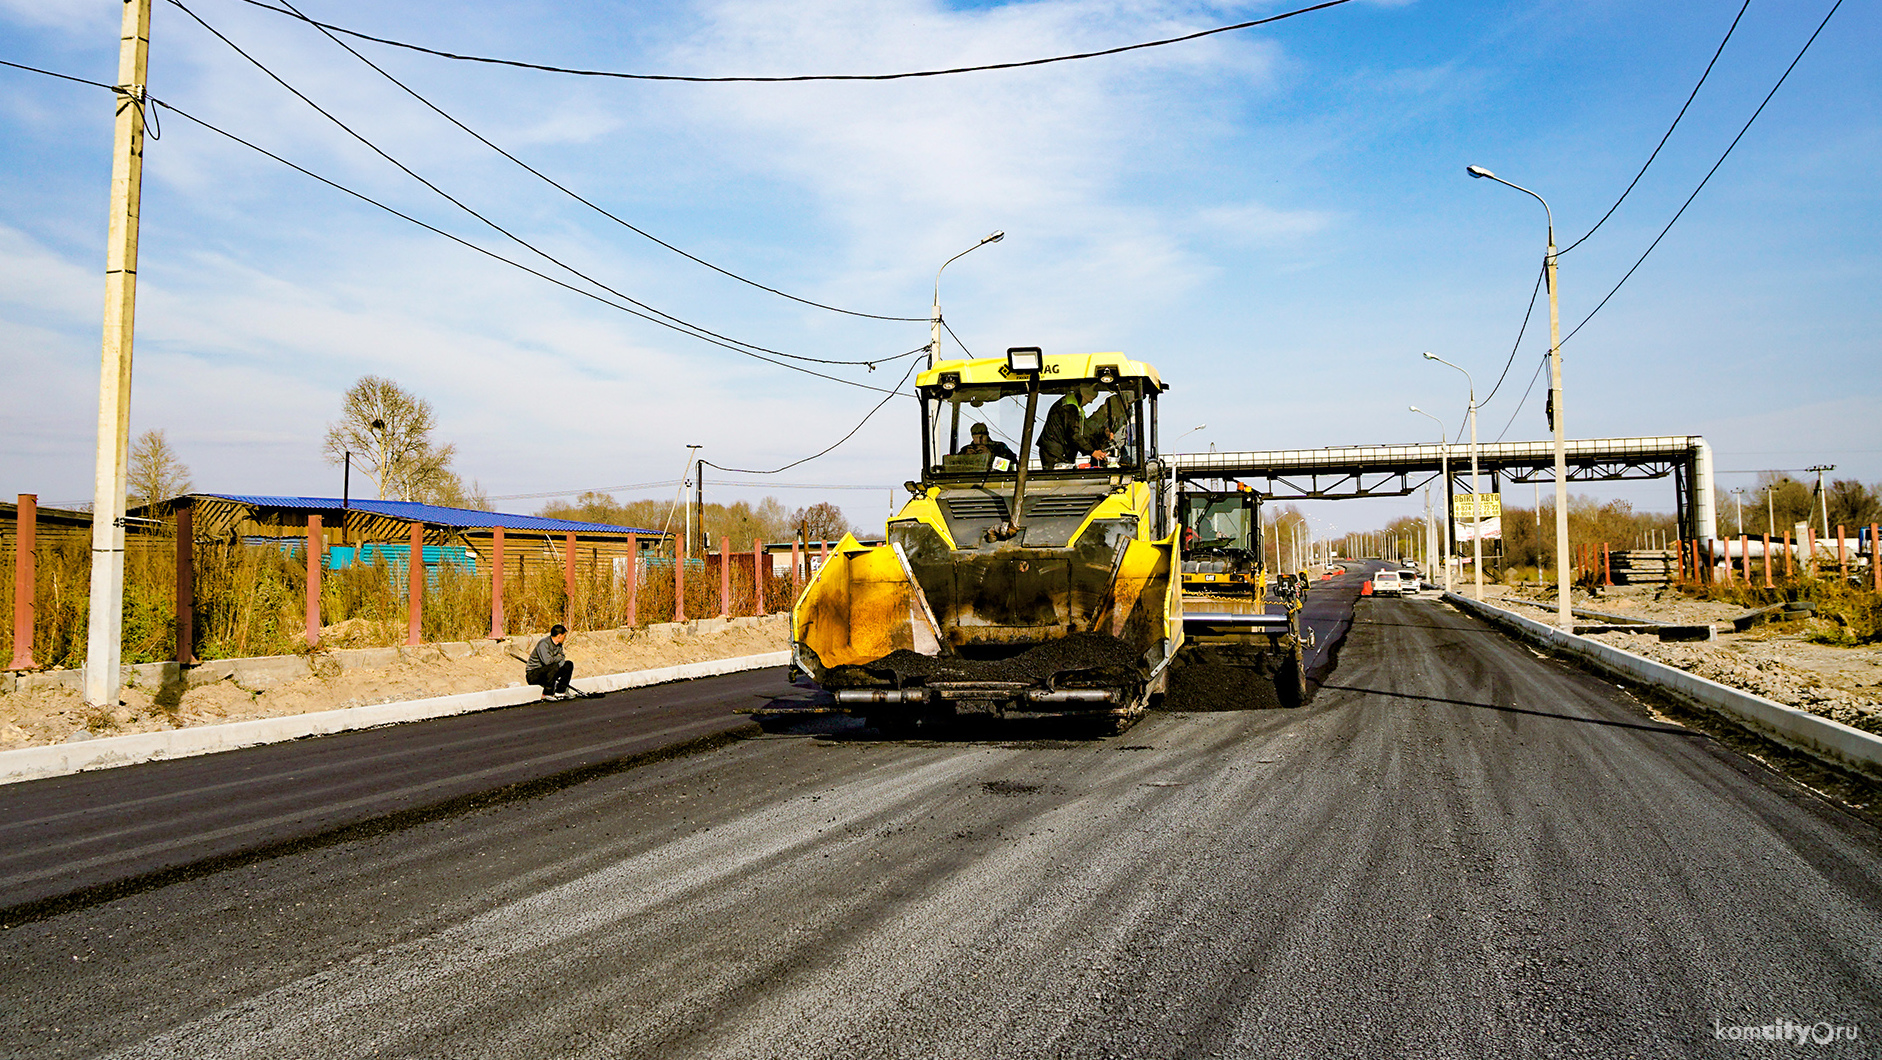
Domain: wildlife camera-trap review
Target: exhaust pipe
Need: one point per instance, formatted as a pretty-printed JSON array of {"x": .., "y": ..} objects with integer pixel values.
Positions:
[
  {"x": 881, "y": 695},
  {"x": 1073, "y": 695}
]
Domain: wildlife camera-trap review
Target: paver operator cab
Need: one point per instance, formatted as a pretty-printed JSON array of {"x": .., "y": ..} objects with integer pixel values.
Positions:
[{"x": 1033, "y": 570}]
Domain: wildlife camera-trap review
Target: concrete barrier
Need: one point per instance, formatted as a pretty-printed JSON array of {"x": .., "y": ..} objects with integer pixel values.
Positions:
[
  {"x": 33, "y": 763},
  {"x": 1833, "y": 741}
]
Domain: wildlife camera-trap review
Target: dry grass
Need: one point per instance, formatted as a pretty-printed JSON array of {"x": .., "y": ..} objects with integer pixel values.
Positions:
[
  {"x": 1848, "y": 615},
  {"x": 251, "y": 600}
]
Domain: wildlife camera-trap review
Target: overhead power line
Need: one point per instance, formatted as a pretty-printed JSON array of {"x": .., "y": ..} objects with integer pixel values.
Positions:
[
  {"x": 852, "y": 433},
  {"x": 545, "y": 178},
  {"x": 797, "y": 485},
  {"x": 1520, "y": 332},
  {"x": 187, "y": 116},
  {"x": 435, "y": 230},
  {"x": 1525, "y": 398},
  {"x": 803, "y": 77},
  {"x": 636, "y": 487},
  {"x": 675, "y": 323},
  {"x": 1710, "y": 172},
  {"x": 630, "y": 487},
  {"x": 1669, "y": 132},
  {"x": 62, "y": 77}
]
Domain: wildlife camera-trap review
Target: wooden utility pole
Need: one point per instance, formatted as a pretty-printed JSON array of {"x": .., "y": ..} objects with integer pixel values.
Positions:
[{"x": 104, "y": 641}]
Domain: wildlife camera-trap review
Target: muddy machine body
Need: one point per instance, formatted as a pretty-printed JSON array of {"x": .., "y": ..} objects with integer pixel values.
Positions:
[{"x": 1034, "y": 569}]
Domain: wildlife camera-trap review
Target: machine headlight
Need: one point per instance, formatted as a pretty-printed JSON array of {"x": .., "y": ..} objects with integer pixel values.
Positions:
[{"x": 1027, "y": 359}]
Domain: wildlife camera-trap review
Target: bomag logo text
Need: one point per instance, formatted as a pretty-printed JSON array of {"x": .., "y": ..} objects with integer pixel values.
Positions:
[{"x": 1008, "y": 372}]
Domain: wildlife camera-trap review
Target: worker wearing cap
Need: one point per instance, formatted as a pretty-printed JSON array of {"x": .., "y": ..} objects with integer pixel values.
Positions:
[
  {"x": 548, "y": 668},
  {"x": 983, "y": 444}
]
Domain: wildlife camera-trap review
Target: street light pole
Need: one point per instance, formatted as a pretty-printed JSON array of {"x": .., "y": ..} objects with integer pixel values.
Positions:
[
  {"x": 934, "y": 312},
  {"x": 1563, "y": 617},
  {"x": 1738, "y": 495},
  {"x": 1444, "y": 473},
  {"x": 1476, "y": 497}
]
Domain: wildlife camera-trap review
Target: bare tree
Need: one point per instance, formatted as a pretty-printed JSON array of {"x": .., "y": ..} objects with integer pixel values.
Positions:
[
  {"x": 388, "y": 431},
  {"x": 823, "y": 522},
  {"x": 155, "y": 474}
]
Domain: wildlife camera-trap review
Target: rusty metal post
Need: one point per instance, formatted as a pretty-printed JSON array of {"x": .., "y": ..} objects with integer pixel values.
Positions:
[
  {"x": 757, "y": 577},
  {"x": 1875, "y": 559},
  {"x": 568, "y": 580},
  {"x": 633, "y": 579},
  {"x": 415, "y": 585},
  {"x": 1679, "y": 561},
  {"x": 1744, "y": 557},
  {"x": 1607, "y": 566},
  {"x": 824, "y": 556},
  {"x": 679, "y": 580},
  {"x": 185, "y": 585},
  {"x": 1842, "y": 551},
  {"x": 496, "y": 583},
  {"x": 1810, "y": 550},
  {"x": 1767, "y": 561},
  {"x": 314, "y": 541},
  {"x": 1790, "y": 566},
  {"x": 25, "y": 578},
  {"x": 725, "y": 577}
]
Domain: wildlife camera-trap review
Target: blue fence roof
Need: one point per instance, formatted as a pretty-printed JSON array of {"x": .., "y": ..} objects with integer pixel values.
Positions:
[{"x": 436, "y": 515}]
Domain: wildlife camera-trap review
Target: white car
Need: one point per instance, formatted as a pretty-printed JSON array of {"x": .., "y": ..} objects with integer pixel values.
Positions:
[{"x": 1393, "y": 583}]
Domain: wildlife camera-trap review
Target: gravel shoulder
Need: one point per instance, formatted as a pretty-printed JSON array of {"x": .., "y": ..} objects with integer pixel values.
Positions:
[
  {"x": 1773, "y": 661},
  {"x": 40, "y": 716}
]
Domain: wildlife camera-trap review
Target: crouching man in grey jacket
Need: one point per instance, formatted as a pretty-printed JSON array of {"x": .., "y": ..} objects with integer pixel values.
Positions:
[{"x": 548, "y": 667}]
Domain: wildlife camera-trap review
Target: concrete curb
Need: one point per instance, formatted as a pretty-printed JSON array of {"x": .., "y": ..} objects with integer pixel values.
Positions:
[
  {"x": 34, "y": 763},
  {"x": 1841, "y": 744}
]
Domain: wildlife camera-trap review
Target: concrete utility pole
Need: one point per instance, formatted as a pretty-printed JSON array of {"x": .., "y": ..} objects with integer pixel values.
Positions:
[
  {"x": 104, "y": 639},
  {"x": 1823, "y": 498},
  {"x": 1563, "y": 617}
]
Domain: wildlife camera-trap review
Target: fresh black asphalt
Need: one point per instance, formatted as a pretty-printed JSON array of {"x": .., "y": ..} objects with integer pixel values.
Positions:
[{"x": 1458, "y": 848}]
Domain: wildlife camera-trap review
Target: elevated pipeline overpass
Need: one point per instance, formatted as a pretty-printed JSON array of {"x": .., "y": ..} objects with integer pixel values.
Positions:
[{"x": 1396, "y": 470}]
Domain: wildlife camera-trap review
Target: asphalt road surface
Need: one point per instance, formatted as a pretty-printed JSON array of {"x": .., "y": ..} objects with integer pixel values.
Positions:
[{"x": 1457, "y": 849}]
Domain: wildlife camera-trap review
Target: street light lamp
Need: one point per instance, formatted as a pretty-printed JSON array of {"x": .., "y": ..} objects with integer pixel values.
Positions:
[
  {"x": 1186, "y": 434},
  {"x": 1563, "y": 616},
  {"x": 934, "y": 313},
  {"x": 1444, "y": 466},
  {"x": 1476, "y": 498}
]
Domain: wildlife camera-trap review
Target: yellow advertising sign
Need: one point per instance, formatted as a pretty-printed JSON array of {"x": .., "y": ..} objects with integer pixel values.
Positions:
[{"x": 1467, "y": 505}]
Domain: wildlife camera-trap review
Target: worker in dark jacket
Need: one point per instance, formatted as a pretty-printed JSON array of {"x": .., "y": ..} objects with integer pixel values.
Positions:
[
  {"x": 548, "y": 667},
  {"x": 984, "y": 445},
  {"x": 1063, "y": 439}
]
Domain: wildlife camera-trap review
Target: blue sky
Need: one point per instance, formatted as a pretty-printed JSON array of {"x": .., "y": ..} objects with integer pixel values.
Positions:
[{"x": 1278, "y": 218}]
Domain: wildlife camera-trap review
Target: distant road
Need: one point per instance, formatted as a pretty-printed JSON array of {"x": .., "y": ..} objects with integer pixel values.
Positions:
[{"x": 1457, "y": 849}]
